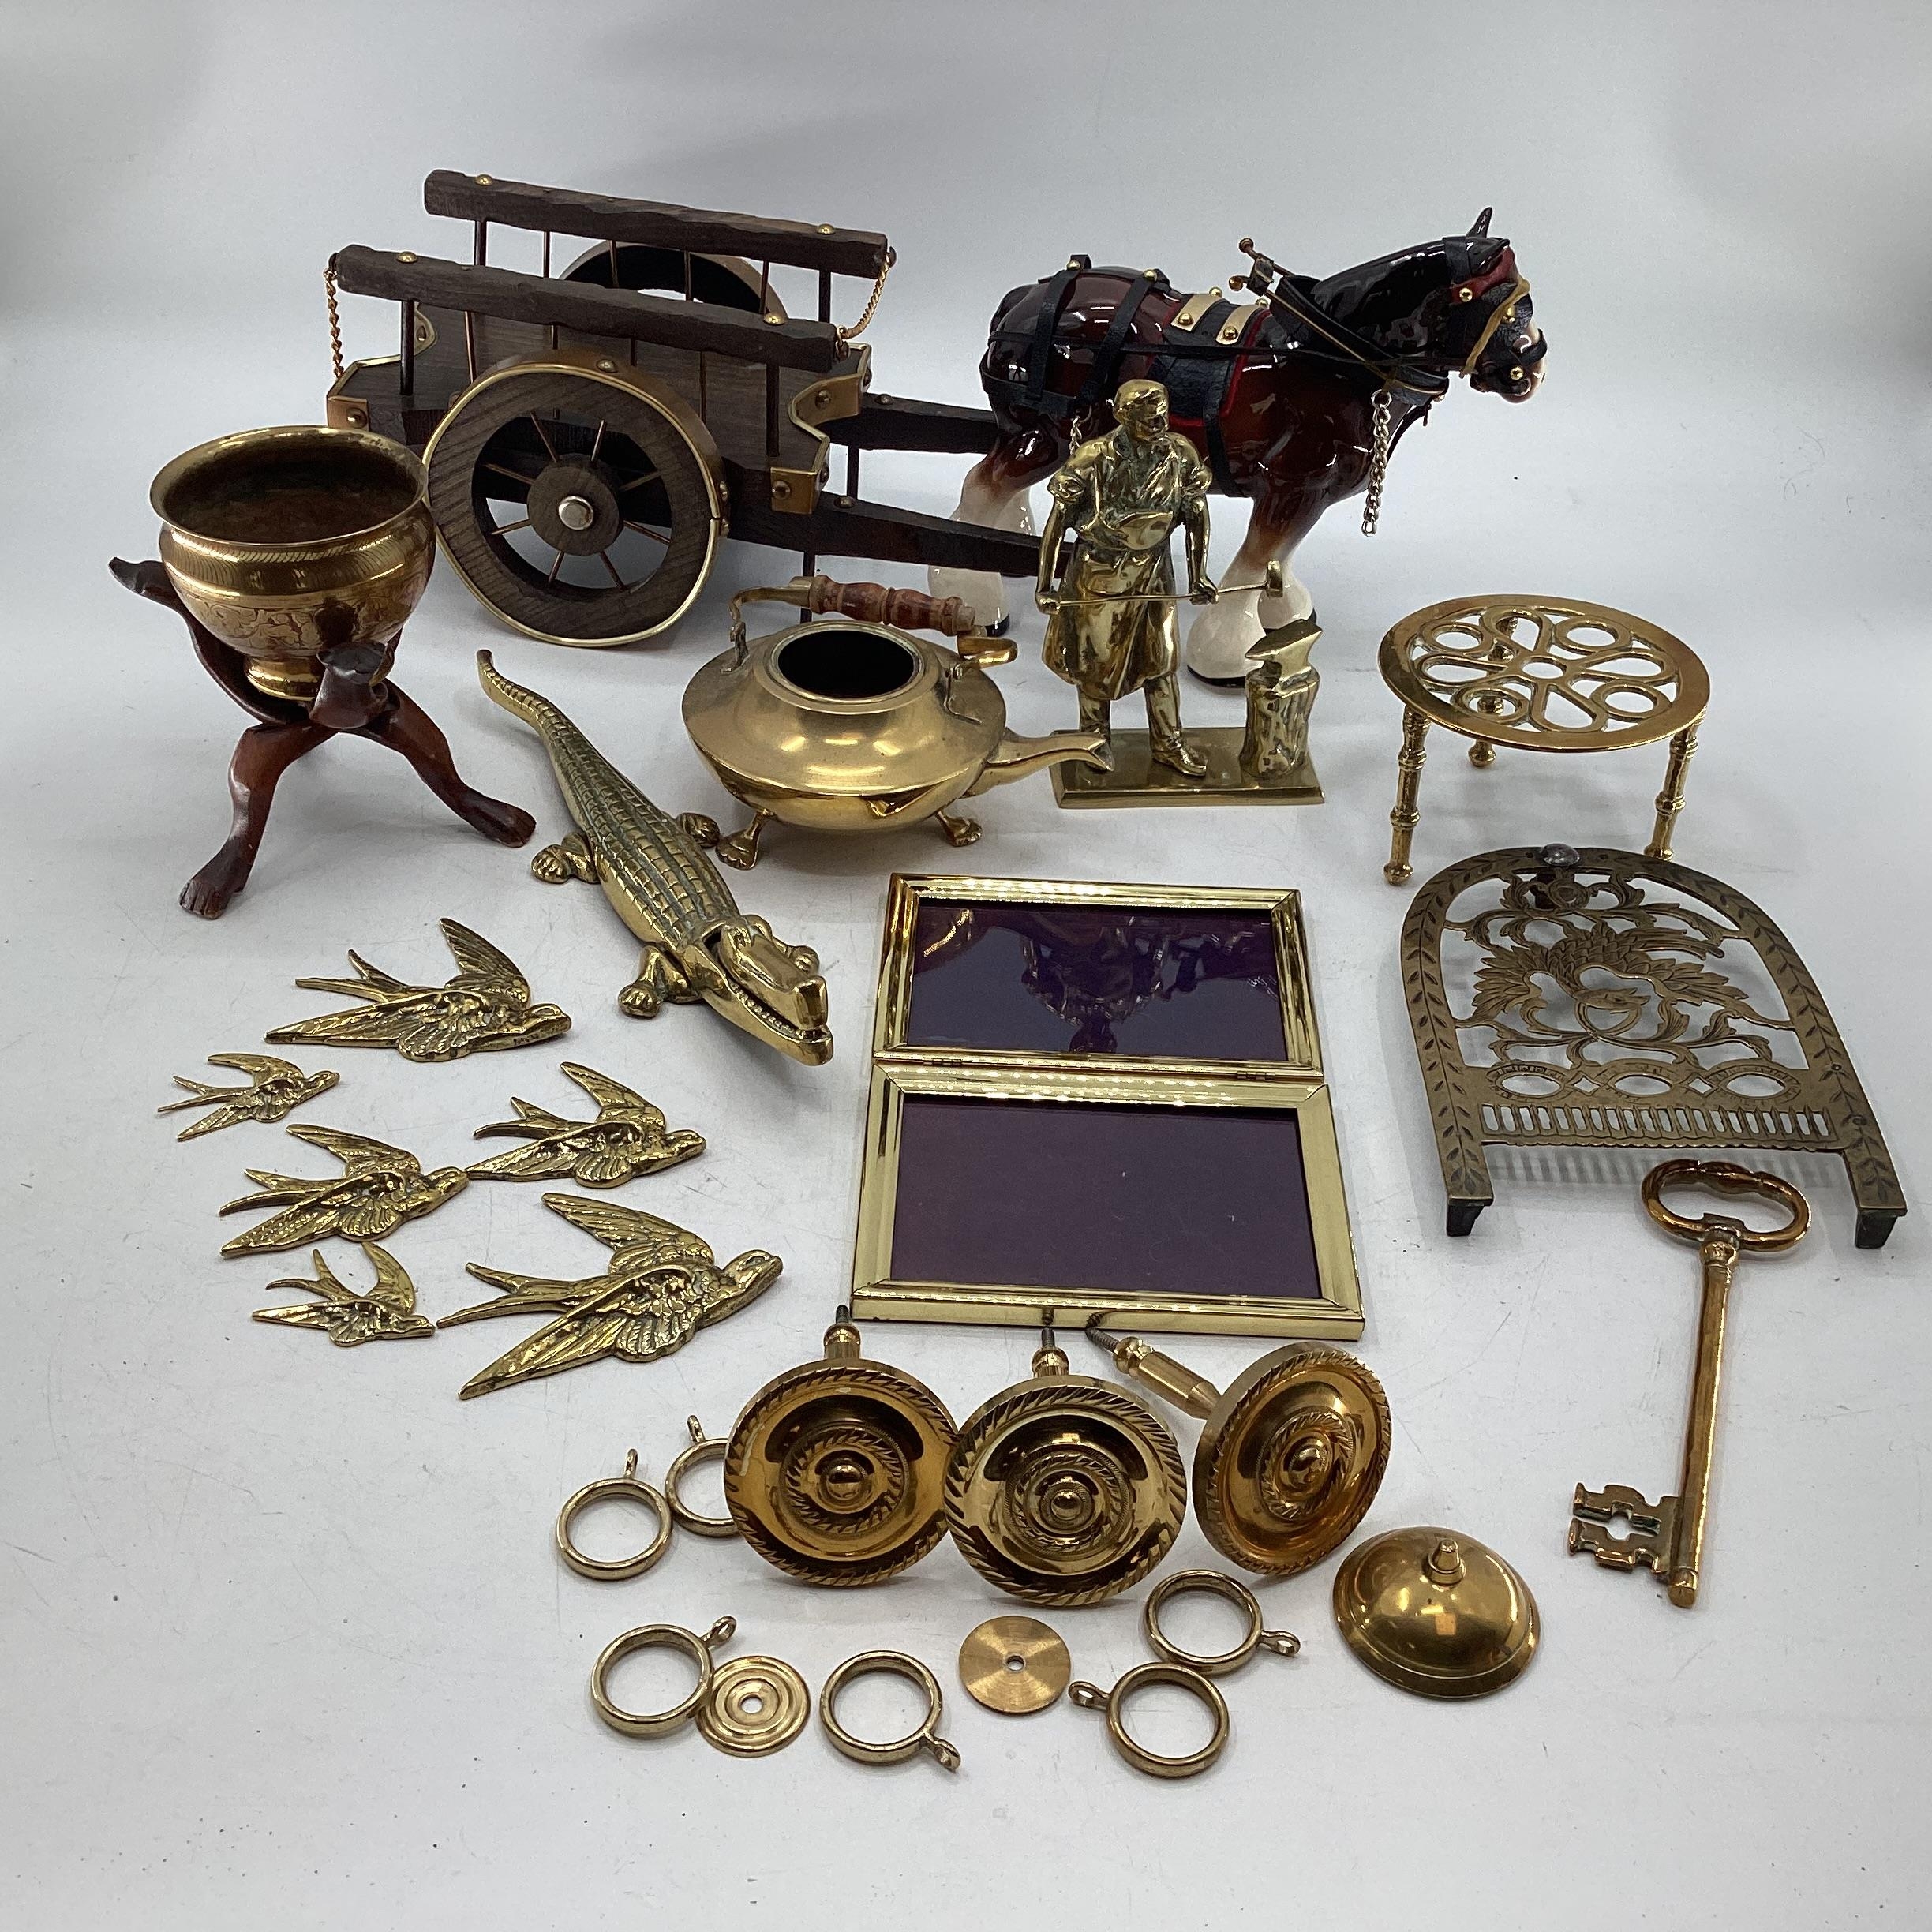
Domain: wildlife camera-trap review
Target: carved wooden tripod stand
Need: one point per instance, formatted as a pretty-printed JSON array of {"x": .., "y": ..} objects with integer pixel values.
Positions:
[{"x": 355, "y": 699}]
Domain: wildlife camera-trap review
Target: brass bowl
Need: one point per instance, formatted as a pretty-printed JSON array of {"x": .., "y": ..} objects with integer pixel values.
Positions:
[{"x": 288, "y": 542}]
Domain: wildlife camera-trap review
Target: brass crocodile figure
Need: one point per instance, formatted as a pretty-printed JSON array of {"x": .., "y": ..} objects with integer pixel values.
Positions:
[{"x": 697, "y": 945}]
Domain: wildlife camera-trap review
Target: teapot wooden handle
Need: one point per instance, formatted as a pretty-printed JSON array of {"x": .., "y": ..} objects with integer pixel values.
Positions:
[{"x": 873, "y": 603}]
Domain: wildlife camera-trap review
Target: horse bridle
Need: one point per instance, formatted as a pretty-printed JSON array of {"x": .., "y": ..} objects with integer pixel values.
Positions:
[
  {"x": 1514, "y": 287},
  {"x": 1269, "y": 279}
]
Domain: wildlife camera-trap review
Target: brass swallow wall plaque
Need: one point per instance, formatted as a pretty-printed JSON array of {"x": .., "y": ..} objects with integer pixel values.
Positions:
[
  {"x": 380, "y": 1187},
  {"x": 277, "y": 1087},
  {"x": 663, "y": 1285},
  {"x": 627, "y": 1138},
  {"x": 486, "y": 1007},
  {"x": 385, "y": 1312}
]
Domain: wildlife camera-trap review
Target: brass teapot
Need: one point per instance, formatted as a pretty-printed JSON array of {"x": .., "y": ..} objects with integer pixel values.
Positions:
[{"x": 858, "y": 726}]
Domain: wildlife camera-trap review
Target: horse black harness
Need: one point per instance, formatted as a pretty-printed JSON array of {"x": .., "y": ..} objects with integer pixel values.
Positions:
[{"x": 1195, "y": 365}]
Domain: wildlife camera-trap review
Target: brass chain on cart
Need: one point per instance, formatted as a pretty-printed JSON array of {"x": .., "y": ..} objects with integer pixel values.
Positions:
[
  {"x": 334, "y": 317},
  {"x": 871, "y": 308}
]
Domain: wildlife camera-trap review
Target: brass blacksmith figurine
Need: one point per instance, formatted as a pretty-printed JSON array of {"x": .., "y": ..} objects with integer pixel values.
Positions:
[{"x": 1110, "y": 626}]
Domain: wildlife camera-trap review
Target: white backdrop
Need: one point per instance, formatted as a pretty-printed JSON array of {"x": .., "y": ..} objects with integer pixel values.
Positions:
[{"x": 283, "y": 1641}]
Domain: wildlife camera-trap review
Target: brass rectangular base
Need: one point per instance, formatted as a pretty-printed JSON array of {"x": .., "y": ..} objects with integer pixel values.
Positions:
[{"x": 1136, "y": 780}]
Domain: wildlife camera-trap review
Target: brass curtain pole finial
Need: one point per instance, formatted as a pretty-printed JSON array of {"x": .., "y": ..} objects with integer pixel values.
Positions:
[
  {"x": 1063, "y": 1489},
  {"x": 1289, "y": 1458},
  {"x": 834, "y": 1470}
]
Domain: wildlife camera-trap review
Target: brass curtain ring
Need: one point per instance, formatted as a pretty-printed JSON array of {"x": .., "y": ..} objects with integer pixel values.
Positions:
[
  {"x": 650, "y": 1637},
  {"x": 1213, "y": 1583},
  {"x": 703, "y": 1448},
  {"x": 631, "y": 1488},
  {"x": 924, "y": 1737},
  {"x": 1091, "y": 1697}
]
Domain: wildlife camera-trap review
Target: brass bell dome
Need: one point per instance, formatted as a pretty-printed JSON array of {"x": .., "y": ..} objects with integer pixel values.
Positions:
[
  {"x": 1435, "y": 1613},
  {"x": 834, "y": 1470},
  {"x": 1063, "y": 1489}
]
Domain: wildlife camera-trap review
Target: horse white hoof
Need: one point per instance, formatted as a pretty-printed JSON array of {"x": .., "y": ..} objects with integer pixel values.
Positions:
[{"x": 1217, "y": 645}]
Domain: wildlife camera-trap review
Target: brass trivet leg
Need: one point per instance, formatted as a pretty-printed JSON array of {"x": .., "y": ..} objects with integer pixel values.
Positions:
[
  {"x": 1408, "y": 784},
  {"x": 1482, "y": 755},
  {"x": 1670, "y": 801}
]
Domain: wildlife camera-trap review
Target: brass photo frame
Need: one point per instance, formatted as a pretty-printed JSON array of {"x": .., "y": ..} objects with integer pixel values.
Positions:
[{"x": 1172, "y": 1026}]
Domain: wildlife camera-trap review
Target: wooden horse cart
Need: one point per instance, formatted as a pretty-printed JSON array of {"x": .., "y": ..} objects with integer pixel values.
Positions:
[{"x": 592, "y": 434}]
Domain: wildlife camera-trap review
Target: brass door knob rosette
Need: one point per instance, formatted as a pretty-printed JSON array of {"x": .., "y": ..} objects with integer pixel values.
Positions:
[
  {"x": 835, "y": 1469},
  {"x": 1289, "y": 1458},
  {"x": 1435, "y": 1613},
  {"x": 1015, "y": 1665},
  {"x": 755, "y": 1705},
  {"x": 1063, "y": 1489}
]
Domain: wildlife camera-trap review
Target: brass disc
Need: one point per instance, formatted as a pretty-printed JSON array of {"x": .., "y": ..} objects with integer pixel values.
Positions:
[
  {"x": 1437, "y": 1613},
  {"x": 1290, "y": 1462},
  {"x": 756, "y": 1704},
  {"x": 1065, "y": 1490},
  {"x": 1014, "y": 1663},
  {"x": 835, "y": 1471}
]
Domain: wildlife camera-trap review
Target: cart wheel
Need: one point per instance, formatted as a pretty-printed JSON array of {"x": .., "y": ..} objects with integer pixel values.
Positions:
[
  {"x": 580, "y": 502},
  {"x": 724, "y": 280}
]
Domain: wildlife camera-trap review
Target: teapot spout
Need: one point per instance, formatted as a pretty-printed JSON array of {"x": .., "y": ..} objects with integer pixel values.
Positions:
[{"x": 1020, "y": 757}]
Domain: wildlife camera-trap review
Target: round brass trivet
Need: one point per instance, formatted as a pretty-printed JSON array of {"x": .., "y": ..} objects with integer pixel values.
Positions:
[
  {"x": 757, "y": 1705},
  {"x": 1291, "y": 1459},
  {"x": 835, "y": 1469},
  {"x": 703, "y": 1448},
  {"x": 923, "y": 1737},
  {"x": 1543, "y": 674},
  {"x": 1064, "y": 1489},
  {"x": 630, "y": 1488},
  {"x": 1212, "y": 1583},
  {"x": 657, "y": 1636},
  {"x": 1437, "y": 1613},
  {"x": 1183, "y": 1677},
  {"x": 1547, "y": 674},
  {"x": 1015, "y": 1664}
]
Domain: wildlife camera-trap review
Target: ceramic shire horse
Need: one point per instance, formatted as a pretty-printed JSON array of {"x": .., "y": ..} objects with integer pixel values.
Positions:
[{"x": 1282, "y": 395}]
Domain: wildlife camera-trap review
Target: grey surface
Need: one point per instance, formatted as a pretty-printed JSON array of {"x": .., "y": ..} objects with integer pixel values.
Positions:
[{"x": 282, "y": 1639}]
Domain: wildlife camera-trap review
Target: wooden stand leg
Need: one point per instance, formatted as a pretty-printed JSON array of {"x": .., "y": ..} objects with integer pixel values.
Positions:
[
  {"x": 1670, "y": 801},
  {"x": 265, "y": 753},
  {"x": 1408, "y": 785},
  {"x": 406, "y": 728}
]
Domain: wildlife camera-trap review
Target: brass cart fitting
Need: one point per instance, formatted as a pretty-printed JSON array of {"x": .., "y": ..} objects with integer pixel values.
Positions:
[
  {"x": 835, "y": 1469},
  {"x": 1063, "y": 1489},
  {"x": 1289, "y": 1458}
]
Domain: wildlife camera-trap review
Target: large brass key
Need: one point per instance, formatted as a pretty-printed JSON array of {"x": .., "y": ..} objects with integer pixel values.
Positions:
[{"x": 1668, "y": 1535}]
